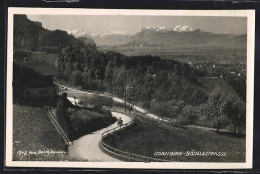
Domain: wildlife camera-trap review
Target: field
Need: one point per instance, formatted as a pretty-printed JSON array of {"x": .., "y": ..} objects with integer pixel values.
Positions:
[
  {"x": 46, "y": 57},
  {"x": 148, "y": 137},
  {"x": 34, "y": 136}
]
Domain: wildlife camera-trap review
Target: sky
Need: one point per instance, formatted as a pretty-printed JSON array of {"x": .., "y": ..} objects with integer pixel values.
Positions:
[{"x": 133, "y": 24}]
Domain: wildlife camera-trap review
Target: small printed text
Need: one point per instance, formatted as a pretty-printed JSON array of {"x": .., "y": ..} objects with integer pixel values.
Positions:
[
  {"x": 39, "y": 152},
  {"x": 190, "y": 153}
]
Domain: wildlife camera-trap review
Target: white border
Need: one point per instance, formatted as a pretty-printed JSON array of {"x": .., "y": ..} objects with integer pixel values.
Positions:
[{"x": 250, "y": 14}]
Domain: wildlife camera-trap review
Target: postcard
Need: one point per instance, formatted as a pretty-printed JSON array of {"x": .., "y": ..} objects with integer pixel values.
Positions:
[{"x": 135, "y": 89}]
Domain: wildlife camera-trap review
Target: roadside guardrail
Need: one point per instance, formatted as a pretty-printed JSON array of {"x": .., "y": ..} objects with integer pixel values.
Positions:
[
  {"x": 58, "y": 129},
  {"x": 128, "y": 156}
]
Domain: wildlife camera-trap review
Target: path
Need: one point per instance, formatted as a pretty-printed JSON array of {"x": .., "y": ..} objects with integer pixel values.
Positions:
[{"x": 87, "y": 147}]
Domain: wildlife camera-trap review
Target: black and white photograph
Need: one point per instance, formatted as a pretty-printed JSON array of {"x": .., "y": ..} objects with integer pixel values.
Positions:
[{"x": 106, "y": 88}]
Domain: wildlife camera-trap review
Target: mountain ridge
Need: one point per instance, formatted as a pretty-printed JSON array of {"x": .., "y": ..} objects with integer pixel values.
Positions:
[
  {"x": 163, "y": 35},
  {"x": 32, "y": 36}
]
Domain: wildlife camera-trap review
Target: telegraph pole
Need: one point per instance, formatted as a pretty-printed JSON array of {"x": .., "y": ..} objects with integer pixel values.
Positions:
[
  {"x": 129, "y": 98},
  {"x": 125, "y": 95},
  {"x": 125, "y": 88},
  {"x": 129, "y": 88}
]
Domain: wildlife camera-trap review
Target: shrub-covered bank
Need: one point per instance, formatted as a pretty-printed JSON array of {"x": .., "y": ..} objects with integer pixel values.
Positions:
[
  {"x": 84, "y": 122},
  {"x": 78, "y": 121}
]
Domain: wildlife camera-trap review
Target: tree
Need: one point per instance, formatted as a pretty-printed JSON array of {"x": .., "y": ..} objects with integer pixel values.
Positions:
[
  {"x": 76, "y": 78},
  {"x": 58, "y": 64},
  {"x": 100, "y": 101},
  {"x": 177, "y": 68},
  {"x": 189, "y": 115},
  {"x": 161, "y": 108},
  {"x": 216, "y": 105},
  {"x": 97, "y": 74},
  {"x": 235, "y": 110},
  {"x": 68, "y": 69}
]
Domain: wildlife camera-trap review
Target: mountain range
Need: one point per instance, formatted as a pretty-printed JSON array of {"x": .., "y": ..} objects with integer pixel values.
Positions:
[
  {"x": 164, "y": 36},
  {"x": 32, "y": 36}
]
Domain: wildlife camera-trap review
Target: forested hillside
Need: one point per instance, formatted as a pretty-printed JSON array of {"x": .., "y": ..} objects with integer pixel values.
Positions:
[{"x": 148, "y": 77}]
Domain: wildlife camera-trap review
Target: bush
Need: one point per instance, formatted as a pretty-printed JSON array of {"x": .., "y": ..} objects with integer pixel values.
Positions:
[
  {"x": 76, "y": 78},
  {"x": 100, "y": 101},
  {"x": 83, "y": 122},
  {"x": 189, "y": 115}
]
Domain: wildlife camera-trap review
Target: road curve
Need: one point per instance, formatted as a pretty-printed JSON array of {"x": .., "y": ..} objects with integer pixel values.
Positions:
[
  {"x": 116, "y": 99},
  {"x": 87, "y": 147}
]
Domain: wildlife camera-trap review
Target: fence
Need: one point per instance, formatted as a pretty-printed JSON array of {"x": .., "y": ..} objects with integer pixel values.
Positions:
[
  {"x": 122, "y": 154},
  {"x": 53, "y": 120}
]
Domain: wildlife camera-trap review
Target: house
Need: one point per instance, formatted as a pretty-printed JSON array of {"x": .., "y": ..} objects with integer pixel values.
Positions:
[{"x": 33, "y": 79}]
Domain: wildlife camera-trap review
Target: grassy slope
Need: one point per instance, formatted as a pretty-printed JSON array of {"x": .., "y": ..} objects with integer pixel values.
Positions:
[
  {"x": 32, "y": 131},
  {"x": 46, "y": 57},
  {"x": 208, "y": 85},
  {"x": 147, "y": 137}
]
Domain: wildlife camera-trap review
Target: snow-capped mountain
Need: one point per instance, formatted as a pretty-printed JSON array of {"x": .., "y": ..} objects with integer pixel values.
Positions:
[
  {"x": 162, "y": 35},
  {"x": 115, "y": 33},
  {"x": 82, "y": 33},
  {"x": 115, "y": 37},
  {"x": 156, "y": 28},
  {"x": 182, "y": 28},
  {"x": 178, "y": 28}
]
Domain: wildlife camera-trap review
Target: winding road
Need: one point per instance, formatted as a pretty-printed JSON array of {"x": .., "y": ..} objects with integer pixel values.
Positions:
[{"x": 87, "y": 147}]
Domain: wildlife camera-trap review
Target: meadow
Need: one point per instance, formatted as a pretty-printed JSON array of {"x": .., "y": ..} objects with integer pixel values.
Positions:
[
  {"x": 46, "y": 57},
  {"x": 150, "y": 138},
  {"x": 33, "y": 132}
]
